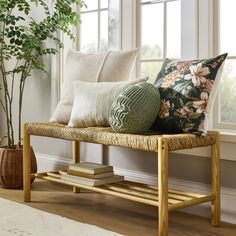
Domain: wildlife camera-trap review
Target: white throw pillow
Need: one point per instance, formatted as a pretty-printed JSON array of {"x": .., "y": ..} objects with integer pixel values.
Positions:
[
  {"x": 111, "y": 66},
  {"x": 93, "y": 102}
]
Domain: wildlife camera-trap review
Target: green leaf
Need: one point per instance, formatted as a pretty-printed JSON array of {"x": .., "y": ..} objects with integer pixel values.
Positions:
[
  {"x": 24, "y": 37},
  {"x": 12, "y": 40},
  {"x": 18, "y": 33},
  {"x": 18, "y": 42}
]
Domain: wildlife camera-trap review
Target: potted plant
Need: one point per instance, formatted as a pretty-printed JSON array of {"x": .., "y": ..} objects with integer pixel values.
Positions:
[{"x": 24, "y": 40}]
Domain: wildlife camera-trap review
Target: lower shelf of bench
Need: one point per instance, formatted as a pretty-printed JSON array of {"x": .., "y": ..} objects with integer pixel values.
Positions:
[{"x": 138, "y": 192}]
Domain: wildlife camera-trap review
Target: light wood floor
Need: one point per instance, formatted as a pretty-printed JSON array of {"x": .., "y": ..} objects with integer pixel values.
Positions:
[{"x": 115, "y": 214}]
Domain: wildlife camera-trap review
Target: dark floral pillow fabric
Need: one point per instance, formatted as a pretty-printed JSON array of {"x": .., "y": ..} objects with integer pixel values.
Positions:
[{"x": 185, "y": 87}]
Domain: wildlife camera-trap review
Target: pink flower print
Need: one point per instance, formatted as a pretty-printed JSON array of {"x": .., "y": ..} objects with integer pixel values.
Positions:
[
  {"x": 204, "y": 96},
  {"x": 201, "y": 104},
  {"x": 184, "y": 111},
  {"x": 170, "y": 79},
  {"x": 164, "y": 109},
  {"x": 183, "y": 66},
  {"x": 198, "y": 74},
  {"x": 207, "y": 86}
]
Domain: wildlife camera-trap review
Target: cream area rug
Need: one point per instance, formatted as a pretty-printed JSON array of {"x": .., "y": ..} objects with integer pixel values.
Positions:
[{"x": 21, "y": 220}]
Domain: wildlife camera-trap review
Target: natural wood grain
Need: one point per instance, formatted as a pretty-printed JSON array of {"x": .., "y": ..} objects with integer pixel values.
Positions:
[
  {"x": 107, "y": 136},
  {"x": 215, "y": 159},
  {"x": 158, "y": 143},
  {"x": 172, "y": 194},
  {"x": 192, "y": 202},
  {"x": 155, "y": 188},
  {"x": 26, "y": 166},
  {"x": 125, "y": 217},
  {"x": 102, "y": 189},
  {"x": 163, "y": 187},
  {"x": 143, "y": 190},
  {"x": 76, "y": 158},
  {"x": 52, "y": 174},
  {"x": 115, "y": 188},
  {"x": 129, "y": 190}
]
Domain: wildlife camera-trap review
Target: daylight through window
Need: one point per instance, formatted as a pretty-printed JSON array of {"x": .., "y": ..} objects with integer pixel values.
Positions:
[
  {"x": 94, "y": 27},
  {"x": 160, "y": 34}
]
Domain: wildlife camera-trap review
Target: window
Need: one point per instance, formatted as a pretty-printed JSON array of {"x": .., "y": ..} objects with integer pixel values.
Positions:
[
  {"x": 100, "y": 26},
  {"x": 94, "y": 27},
  {"x": 225, "y": 112},
  {"x": 99, "y": 18},
  {"x": 160, "y": 34}
]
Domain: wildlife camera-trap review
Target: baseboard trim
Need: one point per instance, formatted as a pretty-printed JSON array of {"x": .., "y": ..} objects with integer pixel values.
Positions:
[{"x": 228, "y": 196}]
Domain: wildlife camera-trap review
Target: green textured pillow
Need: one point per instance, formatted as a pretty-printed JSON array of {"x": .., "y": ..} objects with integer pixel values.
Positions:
[{"x": 135, "y": 109}]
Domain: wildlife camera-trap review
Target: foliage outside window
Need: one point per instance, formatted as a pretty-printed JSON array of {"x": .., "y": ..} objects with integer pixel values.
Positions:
[
  {"x": 94, "y": 27},
  {"x": 226, "y": 108},
  {"x": 160, "y": 34}
]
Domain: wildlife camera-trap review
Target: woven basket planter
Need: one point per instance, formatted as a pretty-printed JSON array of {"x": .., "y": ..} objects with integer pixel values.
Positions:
[{"x": 11, "y": 168}]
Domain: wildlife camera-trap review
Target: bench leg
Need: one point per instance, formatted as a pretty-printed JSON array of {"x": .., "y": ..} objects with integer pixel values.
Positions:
[
  {"x": 26, "y": 165},
  {"x": 76, "y": 158},
  {"x": 163, "y": 187},
  {"x": 215, "y": 205}
]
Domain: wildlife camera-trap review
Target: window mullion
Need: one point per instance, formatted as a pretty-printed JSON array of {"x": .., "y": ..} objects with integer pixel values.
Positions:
[
  {"x": 95, "y": 10},
  {"x": 151, "y": 60},
  {"x": 216, "y": 28},
  {"x": 78, "y": 32},
  {"x": 157, "y": 1},
  {"x": 224, "y": 115},
  {"x": 139, "y": 38},
  {"x": 99, "y": 26},
  {"x": 165, "y": 29}
]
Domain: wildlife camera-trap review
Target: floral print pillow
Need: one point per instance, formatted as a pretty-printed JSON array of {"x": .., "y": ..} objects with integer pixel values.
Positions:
[{"x": 185, "y": 88}]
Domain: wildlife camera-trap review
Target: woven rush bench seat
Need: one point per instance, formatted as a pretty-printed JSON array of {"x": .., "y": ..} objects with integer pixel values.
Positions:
[
  {"x": 106, "y": 136},
  {"x": 159, "y": 196}
]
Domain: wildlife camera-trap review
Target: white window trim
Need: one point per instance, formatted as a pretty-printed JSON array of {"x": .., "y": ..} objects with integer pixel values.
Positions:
[
  {"x": 139, "y": 31},
  {"x": 99, "y": 10},
  {"x": 56, "y": 78},
  {"x": 114, "y": 10},
  {"x": 129, "y": 28},
  {"x": 207, "y": 47},
  {"x": 57, "y": 65},
  {"x": 226, "y": 128},
  {"x": 129, "y": 24}
]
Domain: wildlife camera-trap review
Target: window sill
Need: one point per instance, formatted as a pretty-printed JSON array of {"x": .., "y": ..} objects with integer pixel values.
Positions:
[{"x": 228, "y": 136}]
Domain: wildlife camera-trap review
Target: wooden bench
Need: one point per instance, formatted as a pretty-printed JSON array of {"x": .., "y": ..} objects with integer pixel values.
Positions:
[{"x": 162, "y": 197}]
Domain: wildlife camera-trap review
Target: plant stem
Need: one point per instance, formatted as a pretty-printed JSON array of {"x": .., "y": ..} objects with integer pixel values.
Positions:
[
  {"x": 20, "y": 113},
  {"x": 8, "y": 101},
  {"x": 9, "y": 138},
  {"x": 8, "y": 108},
  {"x": 21, "y": 93},
  {"x": 4, "y": 78}
]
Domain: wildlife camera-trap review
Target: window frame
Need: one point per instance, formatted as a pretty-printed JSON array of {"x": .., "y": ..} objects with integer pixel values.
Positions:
[
  {"x": 59, "y": 61},
  {"x": 140, "y": 61},
  {"x": 217, "y": 124},
  {"x": 99, "y": 10}
]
